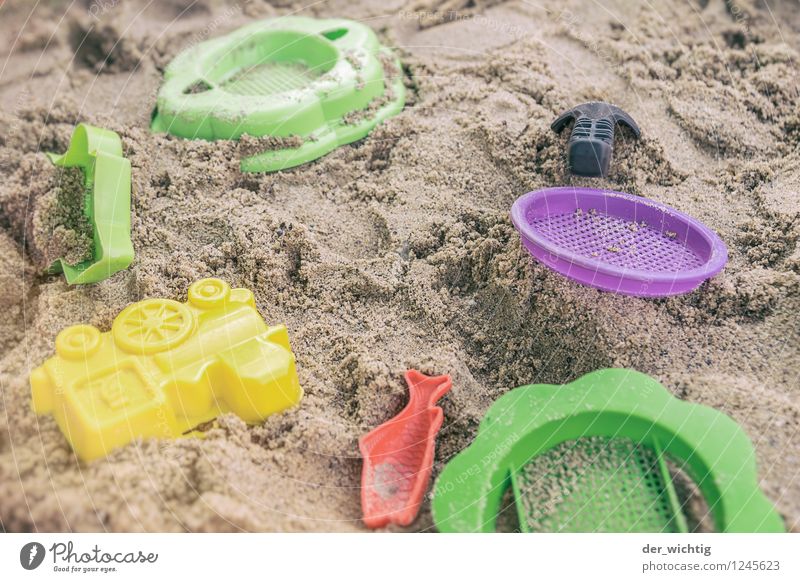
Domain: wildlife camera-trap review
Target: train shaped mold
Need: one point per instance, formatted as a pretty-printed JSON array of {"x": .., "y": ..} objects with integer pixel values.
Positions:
[{"x": 165, "y": 368}]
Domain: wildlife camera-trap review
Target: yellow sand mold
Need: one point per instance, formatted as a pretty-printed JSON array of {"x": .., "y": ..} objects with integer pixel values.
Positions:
[{"x": 164, "y": 368}]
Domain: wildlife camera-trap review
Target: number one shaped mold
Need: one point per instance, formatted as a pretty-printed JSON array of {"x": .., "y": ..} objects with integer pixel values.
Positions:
[{"x": 107, "y": 203}]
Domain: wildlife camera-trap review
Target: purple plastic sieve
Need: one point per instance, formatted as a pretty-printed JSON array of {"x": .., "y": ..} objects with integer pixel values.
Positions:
[{"x": 618, "y": 242}]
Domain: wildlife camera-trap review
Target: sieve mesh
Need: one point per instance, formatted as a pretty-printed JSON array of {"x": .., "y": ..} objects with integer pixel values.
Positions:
[
  {"x": 618, "y": 241},
  {"x": 270, "y": 78},
  {"x": 596, "y": 484}
]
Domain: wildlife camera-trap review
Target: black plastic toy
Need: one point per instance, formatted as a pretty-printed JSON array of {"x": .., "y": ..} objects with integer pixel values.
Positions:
[{"x": 591, "y": 143}]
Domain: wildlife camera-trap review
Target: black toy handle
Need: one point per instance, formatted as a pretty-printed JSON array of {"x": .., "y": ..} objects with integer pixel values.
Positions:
[{"x": 591, "y": 142}]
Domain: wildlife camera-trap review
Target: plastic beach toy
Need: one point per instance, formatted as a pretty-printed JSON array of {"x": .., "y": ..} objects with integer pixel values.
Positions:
[
  {"x": 591, "y": 143},
  {"x": 618, "y": 242},
  {"x": 323, "y": 82},
  {"x": 645, "y": 425},
  {"x": 107, "y": 205},
  {"x": 164, "y": 368},
  {"x": 398, "y": 455}
]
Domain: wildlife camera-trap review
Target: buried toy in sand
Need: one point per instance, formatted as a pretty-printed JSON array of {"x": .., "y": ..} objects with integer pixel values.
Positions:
[
  {"x": 618, "y": 242},
  {"x": 165, "y": 368},
  {"x": 603, "y": 454},
  {"x": 398, "y": 455},
  {"x": 290, "y": 89},
  {"x": 591, "y": 143},
  {"x": 105, "y": 196}
]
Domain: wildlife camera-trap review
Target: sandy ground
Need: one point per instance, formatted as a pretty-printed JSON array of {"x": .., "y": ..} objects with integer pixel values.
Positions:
[{"x": 398, "y": 251}]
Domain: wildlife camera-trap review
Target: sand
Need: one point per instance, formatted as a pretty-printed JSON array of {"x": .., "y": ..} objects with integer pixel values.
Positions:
[
  {"x": 398, "y": 251},
  {"x": 50, "y": 216}
]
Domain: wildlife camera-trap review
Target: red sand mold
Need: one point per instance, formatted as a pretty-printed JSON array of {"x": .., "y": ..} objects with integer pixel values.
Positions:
[{"x": 398, "y": 455}]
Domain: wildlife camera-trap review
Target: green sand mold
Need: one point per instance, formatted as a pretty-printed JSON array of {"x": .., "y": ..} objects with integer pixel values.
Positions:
[
  {"x": 326, "y": 82},
  {"x": 615, "y": 403},
  {"x": 107, "y": 203}
]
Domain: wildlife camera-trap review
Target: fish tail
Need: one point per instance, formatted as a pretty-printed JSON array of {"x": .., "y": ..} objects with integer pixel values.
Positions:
[{"x": 427, "y": 389}]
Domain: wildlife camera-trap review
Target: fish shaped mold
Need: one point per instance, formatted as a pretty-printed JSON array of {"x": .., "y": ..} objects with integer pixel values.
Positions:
[{"x": 398, "y": 455}]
